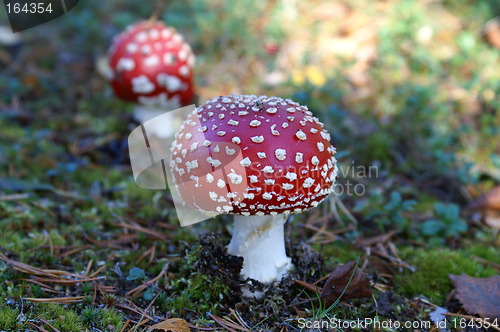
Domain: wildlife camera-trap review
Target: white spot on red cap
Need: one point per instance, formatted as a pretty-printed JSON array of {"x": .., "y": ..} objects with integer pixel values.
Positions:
[
  {"x": 255, "y": 123},
  {"x": 125, "y": 64},
  {"x": 315, "y": 160},
  {"x": 214, "y": 162},
  {"x": 151, "y": 61},
  {"x": 184, "y": 71},
  {"x": 261, "y": 155},
  {"x": 246, "y": 162},
  {"x": 141, "y": 37},
  {"x": 210, "y": 178},
  {"x": 291, "y": 176},
  {"x": 253, "y": 178},
  {"x": 191, "y": 164},
  {"x": 169, "y": 59},
  {"x": 299, "y": 157},
  {"x": 221, "y": 183},
  {"x": 267, "y": 196},
  {"x": 308, "y": 182},
  {"x": 230, "y": 151},
  {"x": 142, "y": 84},
  {"x": 194, "y": 146},
  {"x": 268, "y": 170},
  {"x": 287, "y": 186},
  {"x": 145, "y": 49},
  {"x": 301, "y": 135},
  {"x": 233, "y": 122},
  {"x": 207, "y": 143},
  {"x": 236, "y": 140},
  {"x": 132, "y": 47},
  {"x": 221, "y": 133},
  {"x": 171, "y": 82},
  {"x": 235, "y": 178},
  {"x": 272, "y": 110},
  {"x": 280, "y": 154},
  {"x": 257, "y": 139},
  {"x": 321, "y": 146},
  {"x": 273, "y": 131}
]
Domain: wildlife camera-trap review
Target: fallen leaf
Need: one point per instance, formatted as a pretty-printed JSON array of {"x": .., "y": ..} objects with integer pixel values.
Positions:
[
  {"x": 492, "y": 220},
  {"x": 491, "y": 32},
  {"x": 348, "y": 282},
  {"x": 479, "y": 296},
  {"x": 489, "y": 201},
  {"x": 171, "y": 325}
]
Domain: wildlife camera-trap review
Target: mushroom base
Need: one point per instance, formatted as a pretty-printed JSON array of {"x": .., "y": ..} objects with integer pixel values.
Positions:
[
  {"x": 167, "y": 126},
  {"x": 260, "y": 241}
]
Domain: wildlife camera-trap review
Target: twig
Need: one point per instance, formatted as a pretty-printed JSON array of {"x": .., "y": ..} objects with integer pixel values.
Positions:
[
  {"x": 145, "y": 311},
  {"x": 55, "y": 299}
]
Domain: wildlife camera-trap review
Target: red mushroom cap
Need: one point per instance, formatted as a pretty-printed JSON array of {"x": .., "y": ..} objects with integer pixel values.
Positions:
[
  {"x": 253, "y": 155},
  {"x": 152, "y": 65}
]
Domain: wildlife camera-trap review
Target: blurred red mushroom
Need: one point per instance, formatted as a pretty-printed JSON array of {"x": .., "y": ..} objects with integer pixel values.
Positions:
[{"x": 152, "y": 65}]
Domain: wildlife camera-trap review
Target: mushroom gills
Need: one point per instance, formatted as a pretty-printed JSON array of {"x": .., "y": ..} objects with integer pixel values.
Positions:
[{"x": 260, "y": 241}]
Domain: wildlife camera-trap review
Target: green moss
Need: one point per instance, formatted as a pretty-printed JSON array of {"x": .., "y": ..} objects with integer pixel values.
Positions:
[
  {"x": 62, "y": 317},
  {"x": 337, "y": 252},
  {"x": 433, "y": 267},
  {"x": 194, "y": 293},
  {"x": 8, "y": 318},
  {"x": 488, "y": 253},
  {"x": 110, "y": 317}
]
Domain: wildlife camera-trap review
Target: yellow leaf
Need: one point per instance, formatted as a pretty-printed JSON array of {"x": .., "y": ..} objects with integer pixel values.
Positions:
[
  {"x": 315, "y": 75},
  {"x": 171, "y": 325}
]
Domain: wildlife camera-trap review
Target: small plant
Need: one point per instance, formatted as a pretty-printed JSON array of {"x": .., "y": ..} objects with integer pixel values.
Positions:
[
  {"x": 136, "y": 273},
  {"x": 446, "y": 222},
  {"x": 90, "y": 316},
  {"x": 386, "y": 214}
]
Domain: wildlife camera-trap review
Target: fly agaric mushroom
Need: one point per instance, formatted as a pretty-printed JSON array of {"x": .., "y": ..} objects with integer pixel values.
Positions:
[
  {"x": 151, "y": 65},
  {"x": 260, "y": 158}
]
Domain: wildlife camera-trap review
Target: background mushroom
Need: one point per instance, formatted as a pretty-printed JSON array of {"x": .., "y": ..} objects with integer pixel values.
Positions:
[
  {"x": 151, "y": 65},
  {"x": 261, "y": 159}
]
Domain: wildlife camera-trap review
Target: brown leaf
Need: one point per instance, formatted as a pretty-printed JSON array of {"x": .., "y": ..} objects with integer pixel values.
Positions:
[
  {"x": 340, "y": 280},
  {"x": 479, "y": 296},
  {"x": 491, "y": 32},
  {"x": 171, "y": 325},
  {"x": 489, "y": 201}
]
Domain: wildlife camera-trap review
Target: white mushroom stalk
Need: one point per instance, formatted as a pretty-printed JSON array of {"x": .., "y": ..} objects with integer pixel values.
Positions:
[{"x": 260, "y": 241}]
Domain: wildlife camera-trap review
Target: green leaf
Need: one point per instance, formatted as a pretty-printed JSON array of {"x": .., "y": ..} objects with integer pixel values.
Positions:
[
  {"x": 149, "y": 294},
  {"x": 432, "y": 227},
  {"x": 136, "y": 273}
]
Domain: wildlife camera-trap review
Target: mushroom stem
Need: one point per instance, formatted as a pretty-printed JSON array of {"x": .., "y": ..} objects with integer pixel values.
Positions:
[
  {"x": 165, "y": 127},
  {"x": 260, "y": 241}
]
